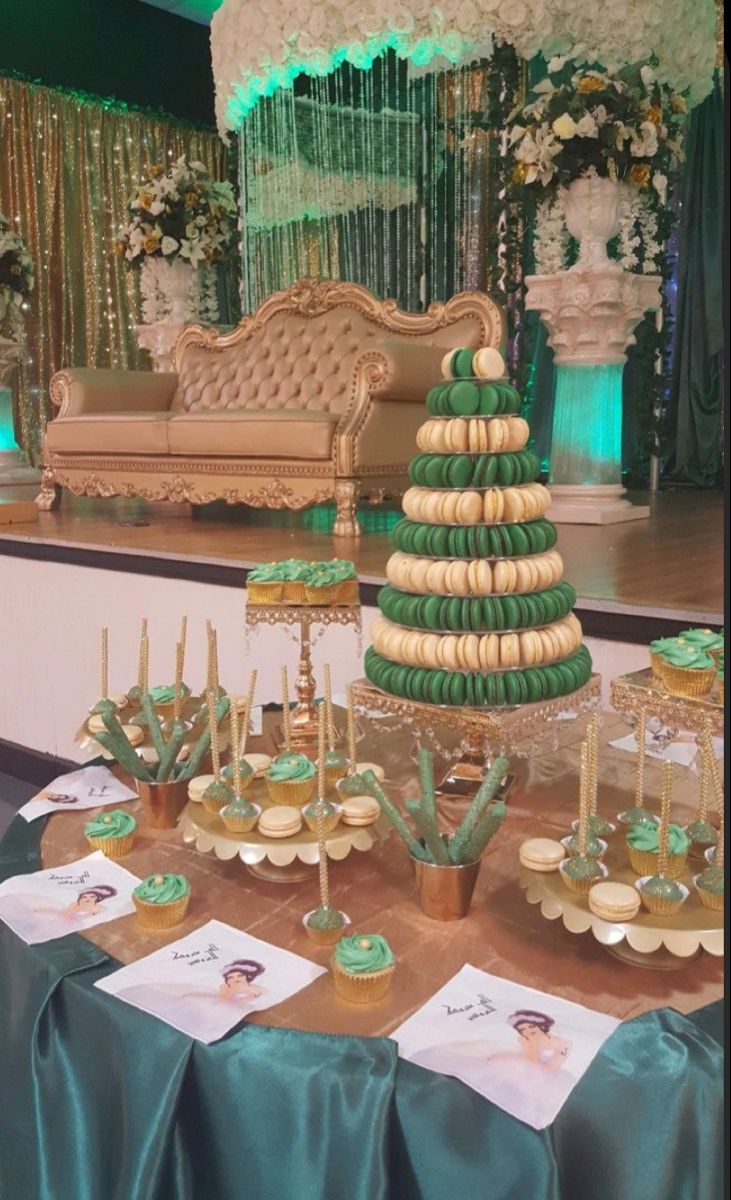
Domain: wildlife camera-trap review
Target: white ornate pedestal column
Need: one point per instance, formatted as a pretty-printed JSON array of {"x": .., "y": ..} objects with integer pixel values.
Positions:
[
  {"x": 590, "y": 315},
  {"x": 12, "y": 468},
  {"x": 158, "y": 339}
]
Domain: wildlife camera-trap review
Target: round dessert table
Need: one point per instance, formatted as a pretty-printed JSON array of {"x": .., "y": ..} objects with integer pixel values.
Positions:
[{"x": 309, "y": 1099}]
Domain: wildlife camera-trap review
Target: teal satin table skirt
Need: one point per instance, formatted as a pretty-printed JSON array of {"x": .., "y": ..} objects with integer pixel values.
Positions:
[{"x": 103, "y": 1102}]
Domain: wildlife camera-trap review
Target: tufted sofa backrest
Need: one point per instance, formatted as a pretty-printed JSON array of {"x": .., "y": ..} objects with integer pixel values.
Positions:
[{"x": 295, "y": 361}]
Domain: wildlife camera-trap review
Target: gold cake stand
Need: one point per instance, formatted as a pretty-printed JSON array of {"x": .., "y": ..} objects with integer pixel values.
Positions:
[
  {"x": 304, "y": 714},
  {"x": 86, "y": 741},
  {"x": 662, "y": 943},
  {"x": 641, "y": 691},
  {"x": 278, "y": 860},
  {"x": 485, "y": 732}
]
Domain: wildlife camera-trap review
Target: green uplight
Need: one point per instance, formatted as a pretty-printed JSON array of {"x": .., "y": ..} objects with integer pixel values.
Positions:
[
  {"x": 7, "y": 436},
  {"x": 586, "y": 443},
  {"x": 359, "y": 54}
]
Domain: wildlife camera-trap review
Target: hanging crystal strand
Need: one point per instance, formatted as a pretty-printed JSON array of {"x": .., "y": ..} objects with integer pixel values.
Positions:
[
  {"x": 432, "y": 192},
  {"x": 446, "y": 192},
  {"x": 366, "y": 108}
]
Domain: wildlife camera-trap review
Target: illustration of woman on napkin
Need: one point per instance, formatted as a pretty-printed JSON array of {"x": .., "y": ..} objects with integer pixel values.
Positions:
[
  {"x": 528, "y": 1080},
  {"x": 204, "y": 1012},
  {"x": 36, "y": 920}
]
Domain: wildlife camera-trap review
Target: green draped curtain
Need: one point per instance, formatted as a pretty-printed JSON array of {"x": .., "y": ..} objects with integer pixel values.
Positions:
[{"x": 697, "y": 378}]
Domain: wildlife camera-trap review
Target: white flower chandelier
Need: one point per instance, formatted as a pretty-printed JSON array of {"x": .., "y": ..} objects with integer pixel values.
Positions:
[{"x": 258, "y": 48}]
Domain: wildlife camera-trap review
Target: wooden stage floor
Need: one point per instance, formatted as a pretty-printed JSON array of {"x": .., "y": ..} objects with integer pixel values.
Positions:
[{"x": 669, "y": 566}]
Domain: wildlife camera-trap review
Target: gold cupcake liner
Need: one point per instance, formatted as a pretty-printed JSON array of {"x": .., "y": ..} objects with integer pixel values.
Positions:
[
  {"x": 362, "y": 989},
  {"x": 644, "y": 862},
  {"x": 294, "y": 592},
  {"x": 265, "y": 593},
  {"x": 160, "y": 916},
  {"x": 297, "y": 792},
  {"x": 330, "y": 822},
  {"x": 239, "y": 823},
  {"x": 580, "y": 887},
  {"x": 657, "y": 665},
  {"x": 689, "y": 682},
  {"x": 325, "y": 937},
  {"x": 720, "y": 692},
  {"x": 333, "y": 775},
  {"x": 659, "y": 906},
  {"x": 113, "y": 847},
  {"x": 712, "y": 900}
]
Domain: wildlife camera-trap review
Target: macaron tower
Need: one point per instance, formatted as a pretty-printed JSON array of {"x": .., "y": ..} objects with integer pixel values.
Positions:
[{"x": 475, "y": 611}]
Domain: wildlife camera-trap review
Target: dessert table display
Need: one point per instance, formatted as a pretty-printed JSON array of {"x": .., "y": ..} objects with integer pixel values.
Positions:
[{"x": 372, "y": 1125}]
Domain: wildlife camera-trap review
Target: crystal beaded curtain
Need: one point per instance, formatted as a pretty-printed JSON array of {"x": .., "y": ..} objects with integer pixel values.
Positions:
[
  {"x": 68, "y": 165},
  {"x": 390, "y": 177}
]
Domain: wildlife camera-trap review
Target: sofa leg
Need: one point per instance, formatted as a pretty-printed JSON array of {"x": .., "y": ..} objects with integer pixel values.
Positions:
[
  {"x": 346, "y": 504},
  {"x": 49, "y": 497}
]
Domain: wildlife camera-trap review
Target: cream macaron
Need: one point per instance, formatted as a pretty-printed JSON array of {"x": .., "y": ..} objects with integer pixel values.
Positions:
[
  {"x": 541, "y": 854},
  {"x": 280, "y": 821},
  {"x": 359, "y": 810},
  {"x": 614, "y": 901},
  {"x": 378, "y": 771},
  {"x": 258, "y": 763},
  {"x": 488, "y": 363},
  {"x": 198, "y": 785}
]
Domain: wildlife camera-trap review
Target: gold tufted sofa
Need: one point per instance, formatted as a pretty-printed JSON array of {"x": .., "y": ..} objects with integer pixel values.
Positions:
[{"x": 316, "y": 396}]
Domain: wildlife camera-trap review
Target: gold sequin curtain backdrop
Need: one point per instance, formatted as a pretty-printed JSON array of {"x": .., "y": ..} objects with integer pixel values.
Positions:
[{"x": 68, "y": 165}]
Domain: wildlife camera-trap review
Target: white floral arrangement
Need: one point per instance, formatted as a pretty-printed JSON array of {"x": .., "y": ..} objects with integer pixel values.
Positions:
[
  {"x": 179, "y": 213},
  {"x": 16, "y": 281},
  {"x": 624, "y": 126},
  {"x": 257, "y": 48}
]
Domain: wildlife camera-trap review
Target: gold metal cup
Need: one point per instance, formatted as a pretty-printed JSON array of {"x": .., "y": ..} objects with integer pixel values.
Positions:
[
  {"x": 163, "y": 802},
  {"x": 445, "y": 893}
]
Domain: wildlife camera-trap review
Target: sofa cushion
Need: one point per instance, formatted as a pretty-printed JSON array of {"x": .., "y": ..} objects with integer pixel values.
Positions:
[
  {"x": 109, "y": 433},
  {"x": 265, "y": 433}
]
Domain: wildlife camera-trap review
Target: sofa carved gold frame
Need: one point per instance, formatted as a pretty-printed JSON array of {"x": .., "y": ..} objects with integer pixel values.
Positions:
[{"x": 272, "y": 483}]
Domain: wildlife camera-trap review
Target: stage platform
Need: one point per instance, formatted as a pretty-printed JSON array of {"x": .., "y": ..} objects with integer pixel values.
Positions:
[
  {"x": 668, "y": 568},
  {"x": 111, "y": 563}
]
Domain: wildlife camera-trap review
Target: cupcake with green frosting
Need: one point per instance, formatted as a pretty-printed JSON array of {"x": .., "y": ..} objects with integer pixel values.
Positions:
[
  {"x": 362, "y": 968},
  {"x": 643, "y": 846},
  {"x": 161, "y": 901},
  {"x": 705, "y": 639},
  {"x": 710, "y": 888},
  {"x": 112, "y": 832},
  {"x": 290, "y": 779},
  {"x": 685, "y": 670},
  {"x": 163, "y": 698},
  {"x": 332, "y": 582}
]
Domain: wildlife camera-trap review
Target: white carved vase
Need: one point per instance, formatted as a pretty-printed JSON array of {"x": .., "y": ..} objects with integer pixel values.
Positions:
[
  {"x": 175, "y": 280},
  {"x": 591, "y": 210}
]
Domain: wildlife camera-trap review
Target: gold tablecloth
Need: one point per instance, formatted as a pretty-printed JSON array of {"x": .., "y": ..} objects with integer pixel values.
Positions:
[{"x": 502, "y": 934}]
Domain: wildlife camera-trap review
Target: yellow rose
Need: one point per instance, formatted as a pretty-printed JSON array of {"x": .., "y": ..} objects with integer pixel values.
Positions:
[
  {"x": 145, "y": 199},
  {"x": 151, "y": 242},
  {"x": 119, "y": 248},
  {"x": 678, "y": 103},
  {"x": 520, "y": 171},
  {"x": 654, "y": 114},
  {"x": 155, "y": 171},
  {"x": 639, "y": 175},
  {"x": 590, "y": 83},
  {"x": 564, "y": 127}
]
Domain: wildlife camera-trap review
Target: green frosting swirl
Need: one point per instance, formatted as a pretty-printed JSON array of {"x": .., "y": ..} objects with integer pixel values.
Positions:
[
  {"x": 363, "y": 953},
  {"x": 647, "y": 838},
  {"x": 290, "y": 767},
  {"x": 660, "y": 645},
  {"x": 703, "y": 639},
  {"x": 165, "y": 693},
  {"x": 680, "y": 654},
  {"x": 711, "y": 880},
  {"x": 326, "y": 574},
  {"x": 162, "y": 889},
  {"x": 297, "y": 570},
  {"x": 115, "y": 824},
  {"x": 266, "y": 573}
]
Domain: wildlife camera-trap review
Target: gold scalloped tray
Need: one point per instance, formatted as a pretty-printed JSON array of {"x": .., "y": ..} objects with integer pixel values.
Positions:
[
  {"x": 207, "y": 832},
  {"x": 683, "y": 934}
]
